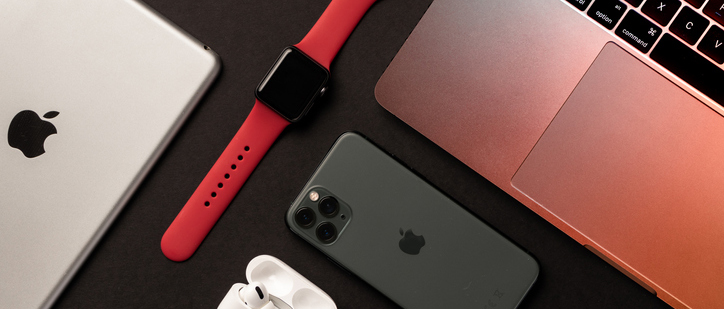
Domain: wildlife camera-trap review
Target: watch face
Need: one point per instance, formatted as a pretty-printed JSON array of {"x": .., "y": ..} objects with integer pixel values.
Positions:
[{"x": 292, "y": 84}]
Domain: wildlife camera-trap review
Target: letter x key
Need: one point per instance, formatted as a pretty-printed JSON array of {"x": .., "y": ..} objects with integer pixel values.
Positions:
[{"x": 662, "y": 11}]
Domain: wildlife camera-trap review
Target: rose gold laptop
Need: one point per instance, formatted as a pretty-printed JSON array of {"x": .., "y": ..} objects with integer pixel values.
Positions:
[{"x": 603, "y": 117}]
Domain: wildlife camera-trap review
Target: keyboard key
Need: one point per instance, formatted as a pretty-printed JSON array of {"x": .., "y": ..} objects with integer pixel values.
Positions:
[
  {"x": 696, "y": 3},
  {"x": 715, "y": 10},
  {"x": 711, "y": 45},
  {"x": 638, "y": 31},
  {"x": 580, "y": 4},
  {"x": 690, "y": 66},
  {"x": 607, "y": 12},
  {"x": 689, "y": 25},
  {"x": 635, "y": 3},
  {"x": 661, "y": 10}
]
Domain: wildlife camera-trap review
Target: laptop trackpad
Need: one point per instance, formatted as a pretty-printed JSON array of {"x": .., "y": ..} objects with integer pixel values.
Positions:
[{"x": 637, "y": 165}]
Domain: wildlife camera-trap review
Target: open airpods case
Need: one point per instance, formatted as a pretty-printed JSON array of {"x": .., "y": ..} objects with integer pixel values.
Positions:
[{"x": 285, "y": 283}]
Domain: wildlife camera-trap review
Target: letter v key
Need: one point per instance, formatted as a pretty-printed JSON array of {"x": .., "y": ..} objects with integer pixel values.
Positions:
[{"x": 711, "y": 43}]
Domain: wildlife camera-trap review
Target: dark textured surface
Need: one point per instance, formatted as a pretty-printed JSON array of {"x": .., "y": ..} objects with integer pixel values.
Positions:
[{"x": 128, "y": 270}]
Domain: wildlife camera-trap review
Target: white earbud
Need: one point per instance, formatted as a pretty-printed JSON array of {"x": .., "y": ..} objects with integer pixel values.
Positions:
[{"x": 255, "y": 296}]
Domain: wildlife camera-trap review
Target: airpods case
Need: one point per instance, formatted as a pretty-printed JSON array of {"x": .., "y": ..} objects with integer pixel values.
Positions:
[{"x": 283, "y": 283}]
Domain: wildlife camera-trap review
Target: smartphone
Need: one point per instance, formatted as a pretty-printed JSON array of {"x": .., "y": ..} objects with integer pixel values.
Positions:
[{"x": 373, "y": 216}]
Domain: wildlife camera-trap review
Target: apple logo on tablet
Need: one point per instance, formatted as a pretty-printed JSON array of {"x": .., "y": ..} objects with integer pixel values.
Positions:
[
  {"x": 28, "y": 132},
  {"x": 411, "y": 243}
]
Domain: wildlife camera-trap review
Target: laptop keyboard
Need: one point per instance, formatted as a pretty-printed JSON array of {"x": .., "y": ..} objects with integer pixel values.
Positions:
[{"x": 685, "y": 37}]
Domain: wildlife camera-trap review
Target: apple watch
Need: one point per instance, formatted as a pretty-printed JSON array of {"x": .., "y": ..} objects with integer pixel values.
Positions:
[{"x": 298, "y": 77}]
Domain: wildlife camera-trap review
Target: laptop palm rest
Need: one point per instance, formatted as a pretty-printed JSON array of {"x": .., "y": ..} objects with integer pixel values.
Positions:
[{"x": 637, "y": 164}]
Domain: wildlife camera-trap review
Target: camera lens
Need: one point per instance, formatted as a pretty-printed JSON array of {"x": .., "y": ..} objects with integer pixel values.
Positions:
[
  {"x": 304, "y": 217},
  {"x": 328, "y": 206},
  {"x": 326, "y": 232}
]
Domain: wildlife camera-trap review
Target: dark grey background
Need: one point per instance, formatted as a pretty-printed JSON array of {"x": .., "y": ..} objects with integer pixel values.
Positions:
[{"x": 128, "y": 270}]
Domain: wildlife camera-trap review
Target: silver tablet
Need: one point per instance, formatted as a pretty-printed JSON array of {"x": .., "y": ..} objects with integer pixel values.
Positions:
[{"x": 90, "y": 94}]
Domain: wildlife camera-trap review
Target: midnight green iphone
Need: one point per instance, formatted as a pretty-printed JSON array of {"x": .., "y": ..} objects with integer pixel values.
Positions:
[{"x": 372, "y": 215}]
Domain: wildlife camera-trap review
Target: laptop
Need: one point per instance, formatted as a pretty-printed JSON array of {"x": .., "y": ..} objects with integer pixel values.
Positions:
[
  {"x": 90, "y": 94},
  {"x": 604, "y": 117}
]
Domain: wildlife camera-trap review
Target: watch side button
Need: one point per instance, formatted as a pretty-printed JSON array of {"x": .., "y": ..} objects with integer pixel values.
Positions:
[{"x": 322, "y": 91}]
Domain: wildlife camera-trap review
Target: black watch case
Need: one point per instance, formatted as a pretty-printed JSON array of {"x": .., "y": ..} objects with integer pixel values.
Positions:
[{"x": 292, "y": 84}]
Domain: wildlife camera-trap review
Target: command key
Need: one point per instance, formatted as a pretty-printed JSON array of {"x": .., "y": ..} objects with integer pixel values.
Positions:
[{"x": 638, "y": 31}]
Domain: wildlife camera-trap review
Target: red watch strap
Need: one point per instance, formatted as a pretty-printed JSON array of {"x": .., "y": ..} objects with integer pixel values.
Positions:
[
  {"x": 259, "y": 131},
  {"x": 332, "y": 29},
  {"x": 254, "y": 138}
]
